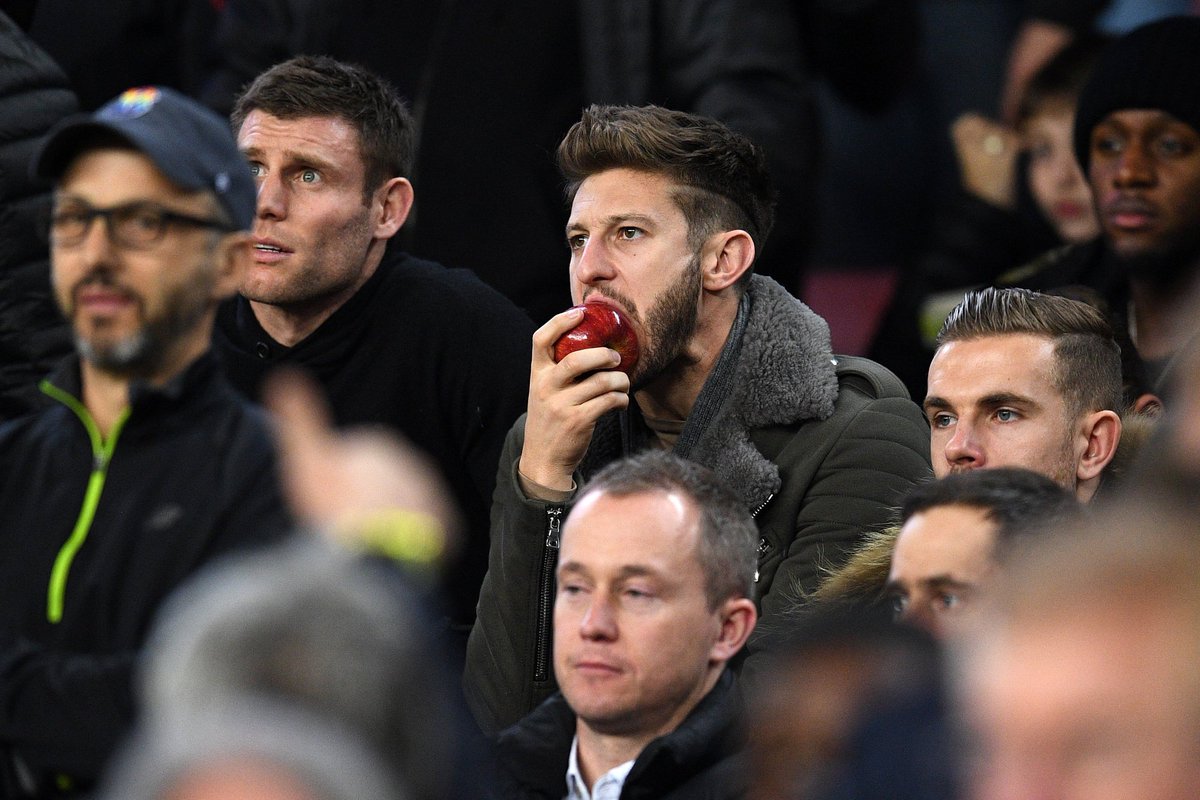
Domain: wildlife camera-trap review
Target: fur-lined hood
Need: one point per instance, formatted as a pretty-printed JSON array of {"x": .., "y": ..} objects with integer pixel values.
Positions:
[{"x": 780, "y": 372}]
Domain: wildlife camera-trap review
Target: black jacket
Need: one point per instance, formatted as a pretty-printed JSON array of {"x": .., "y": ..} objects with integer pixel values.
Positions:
[
  {"x": 700, "y": 759},
  {"x": 33, "y": 335},
  {"x": 190, "y": 474},
  {"x": 430, "y": 352}
]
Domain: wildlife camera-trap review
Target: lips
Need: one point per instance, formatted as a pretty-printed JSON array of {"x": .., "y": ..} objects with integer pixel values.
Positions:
[
  {"x": 1130, "y": 214},
  {"x": 269, "y": 251},
  {"x": 103, "y": 299}
]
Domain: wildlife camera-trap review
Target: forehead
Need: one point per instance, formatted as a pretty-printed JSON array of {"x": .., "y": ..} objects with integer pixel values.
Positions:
[
  {"x": 607, "y": 531},
  {"x": 106, "y": 176},
  {"x": 955, "y": 540},
  {"x": 965, "y": 370},
  {"x": 1143, "y": 120},
  {"x": 333, "y": 138},
  {"x": 620, "y": 191}
]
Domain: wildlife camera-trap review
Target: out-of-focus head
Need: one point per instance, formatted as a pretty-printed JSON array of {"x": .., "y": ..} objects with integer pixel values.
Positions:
[
  {"x": 1027, "y": 380},
  {"x": 1046, "y": 119},
  {"x": 952, "y": 537},
  {"x": 654, "y": 574},
  {"x": 1137, "y": 135},
  {"x": 1079, "y": 681},
  {"x": 150, "y": 197}
]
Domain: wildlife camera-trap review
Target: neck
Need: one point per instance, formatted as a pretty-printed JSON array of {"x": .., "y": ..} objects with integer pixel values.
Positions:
[
  {"x": 673, "y": 393},
  {"x": 291, "y": 323}
]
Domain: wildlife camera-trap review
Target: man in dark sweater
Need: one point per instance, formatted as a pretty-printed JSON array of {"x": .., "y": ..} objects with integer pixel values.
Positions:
[
  {"x": 654, "y": 582},
  {"x": 146, "y": 465},
  {"x": 431, "y": 353}
]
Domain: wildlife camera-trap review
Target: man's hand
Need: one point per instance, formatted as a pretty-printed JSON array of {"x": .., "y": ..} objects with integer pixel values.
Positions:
[{"x": 565, "y": 400}]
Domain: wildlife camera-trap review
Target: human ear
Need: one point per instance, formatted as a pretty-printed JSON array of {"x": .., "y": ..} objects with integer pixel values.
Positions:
[
  {"x": 726, "y": 257},
  {"x": 392, "y": 202},
  {"x": 737, "y": 617},
  {"x": 1103, "y": 432}
]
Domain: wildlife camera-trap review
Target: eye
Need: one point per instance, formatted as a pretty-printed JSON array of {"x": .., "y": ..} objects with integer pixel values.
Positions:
[
  {"x": 1039, "y": 151},
  {"x": 947, "y": 601},
  {"x": 309, "y": 176},
  {"x": 577, "y": 241},
  {"x": 570, "y": 589},
  {"x": 1107, "y": 144},
  {"x": 941, "y": 420},
  {"x": 629, "y": 233},
  {"x": 256, "y": 169},
  {"x": 1171, "y": 146},
  {"x": 1007, "y": 415},
  {"x": 899, "y": 605}
]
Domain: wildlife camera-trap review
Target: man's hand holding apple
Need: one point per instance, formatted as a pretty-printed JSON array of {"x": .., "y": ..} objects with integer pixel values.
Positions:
[{"x": 566, "y": 398}]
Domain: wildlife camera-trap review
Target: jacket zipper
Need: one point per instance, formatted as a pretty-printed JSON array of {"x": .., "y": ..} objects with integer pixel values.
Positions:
[
  {"x": 102, "y": 453},
  {"x": 541, "y": 653},
  {"x": 763, "y": 545}
]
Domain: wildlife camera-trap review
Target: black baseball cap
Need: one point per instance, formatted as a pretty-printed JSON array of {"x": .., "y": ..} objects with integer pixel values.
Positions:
[{"x": 189, "y": 143}]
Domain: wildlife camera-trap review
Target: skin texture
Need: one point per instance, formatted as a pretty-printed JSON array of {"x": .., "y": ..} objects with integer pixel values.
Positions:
[
  {"x": 1058, "y": 186},
  {"x": 942, "y": 558},
  {"x": 1095, "y": 703},
  {"x": 992, "y": 403},
  {"x": 629, "y": 247},
  {"x": 1145, "y": 175},
  {"x": 139, "y": 313},
  {"x": 311, "y": 178},
  {"x": 636, "y": 645}
]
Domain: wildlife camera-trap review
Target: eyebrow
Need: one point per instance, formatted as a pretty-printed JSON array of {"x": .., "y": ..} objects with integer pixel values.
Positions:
[
  {"x": 943, "y": 581},
  {"x": 614, "y": 219},
  {"x": 294, "y": 156},
  {"x": 987, "y": 401},
  {"x": 625, "y": 572}
]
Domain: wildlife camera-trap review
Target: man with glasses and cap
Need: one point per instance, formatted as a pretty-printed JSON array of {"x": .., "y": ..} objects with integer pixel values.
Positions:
[{"x": 147, "y": 465}]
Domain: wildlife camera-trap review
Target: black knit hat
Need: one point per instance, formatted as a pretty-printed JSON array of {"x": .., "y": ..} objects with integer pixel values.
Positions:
[{"x": 1156, "y": 66}]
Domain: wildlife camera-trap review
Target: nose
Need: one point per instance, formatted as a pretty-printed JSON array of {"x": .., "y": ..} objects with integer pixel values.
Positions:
[
  {"x": 963, "y": 449},
  {"x": 272, "y": 202},
  {"x": 97, "y": 246},
  {"x": 599, "y": 621},
  {"x": 1067, "y": 170},
  {"x": 592, "y": 263},
  {"x": 1135, "y": 167},
  {"x": 919, "y": 614}
]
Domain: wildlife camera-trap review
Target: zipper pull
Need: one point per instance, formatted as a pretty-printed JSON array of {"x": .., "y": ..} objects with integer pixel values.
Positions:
[{"x": 554, "y": 526}]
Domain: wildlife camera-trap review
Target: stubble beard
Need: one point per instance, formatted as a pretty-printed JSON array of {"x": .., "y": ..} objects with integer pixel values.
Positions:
[{"x": 670, "y": 325}]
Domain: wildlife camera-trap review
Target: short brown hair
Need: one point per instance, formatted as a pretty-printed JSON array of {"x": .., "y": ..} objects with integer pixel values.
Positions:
[
  {"x": 1087, "y": 359},
  {"x": 727, "y": 540},
  {"x": 723, "y": 178},
  {"x": 320, "y": 86}
]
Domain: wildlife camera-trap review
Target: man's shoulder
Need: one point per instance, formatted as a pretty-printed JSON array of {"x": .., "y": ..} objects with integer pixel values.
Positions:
[{"x": 431, "y": 288}]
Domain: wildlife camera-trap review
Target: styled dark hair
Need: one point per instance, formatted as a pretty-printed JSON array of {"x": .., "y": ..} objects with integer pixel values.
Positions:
[
  {"x": 722, "y": 175},
  {"x": 1018, "y": 500},
  {"x": 726, "y": 546},
  {"x": 320, "y": 86},
  {"x": 1087, "y": 369}
]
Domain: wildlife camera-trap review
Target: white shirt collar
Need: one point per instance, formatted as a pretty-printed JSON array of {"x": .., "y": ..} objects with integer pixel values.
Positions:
[{"x": 608, "y": 787}]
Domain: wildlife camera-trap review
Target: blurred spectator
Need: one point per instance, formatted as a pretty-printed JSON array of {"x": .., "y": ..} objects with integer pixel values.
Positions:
[
  {"x": 1080, "y": 682},
  {"x": 251, "y": 750},
  {"x": 850, "y": 707},
  {"x": 1137, "y": 135},
  {"x": 33, "y": 334},
  {"x": 147, "y": 465}
]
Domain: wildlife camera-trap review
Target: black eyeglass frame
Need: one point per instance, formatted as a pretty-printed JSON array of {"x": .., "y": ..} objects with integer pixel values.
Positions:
[{"x": 163, "y": 219}]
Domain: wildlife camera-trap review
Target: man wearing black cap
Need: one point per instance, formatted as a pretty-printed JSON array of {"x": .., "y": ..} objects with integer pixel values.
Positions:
[
  {"x": 1137, "y": 137},
  {"x": 148, "y": 464}
]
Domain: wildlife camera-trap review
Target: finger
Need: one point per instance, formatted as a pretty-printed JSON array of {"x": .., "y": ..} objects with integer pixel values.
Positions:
[
  {"x": 545, "y": 336},
  {"x": 303, "y": 427}
]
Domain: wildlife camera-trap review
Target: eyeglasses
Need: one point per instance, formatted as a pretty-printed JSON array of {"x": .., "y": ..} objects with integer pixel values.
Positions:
[{"x": 134, "y": 225}]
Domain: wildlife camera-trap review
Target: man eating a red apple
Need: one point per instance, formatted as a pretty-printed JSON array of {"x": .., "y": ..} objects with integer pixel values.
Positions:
[{"x": 668, "y": 211}]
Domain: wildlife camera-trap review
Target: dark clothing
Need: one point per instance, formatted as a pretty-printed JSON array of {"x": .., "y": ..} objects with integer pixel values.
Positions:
[
  {"x": 698, "y": 760},
  {"x": 819, "y": 448},
  {"x": 33, "y": 335},
  {"x": 427, "y": 351},
  {"x": 97, "y": 531}
]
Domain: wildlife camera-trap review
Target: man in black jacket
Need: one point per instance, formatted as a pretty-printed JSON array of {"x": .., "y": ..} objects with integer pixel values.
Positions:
[
  {"x": 147, "y": 465},
  {"x": 654, "y": 581},
  {"x": 429, "y": 352}
]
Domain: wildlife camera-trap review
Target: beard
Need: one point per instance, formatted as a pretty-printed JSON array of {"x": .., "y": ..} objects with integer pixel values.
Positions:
[
  {"x": 144, "y": 351},
  {"x": 1167, "y": 268},
  {"x": 669, "y": 325}
]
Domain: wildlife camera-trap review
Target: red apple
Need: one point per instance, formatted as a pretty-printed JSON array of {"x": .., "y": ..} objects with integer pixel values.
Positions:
[{"x": 601, "y": 326}]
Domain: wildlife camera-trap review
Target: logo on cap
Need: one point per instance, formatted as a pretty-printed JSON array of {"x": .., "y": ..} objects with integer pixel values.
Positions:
[{"x": 133, "y": 103}]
